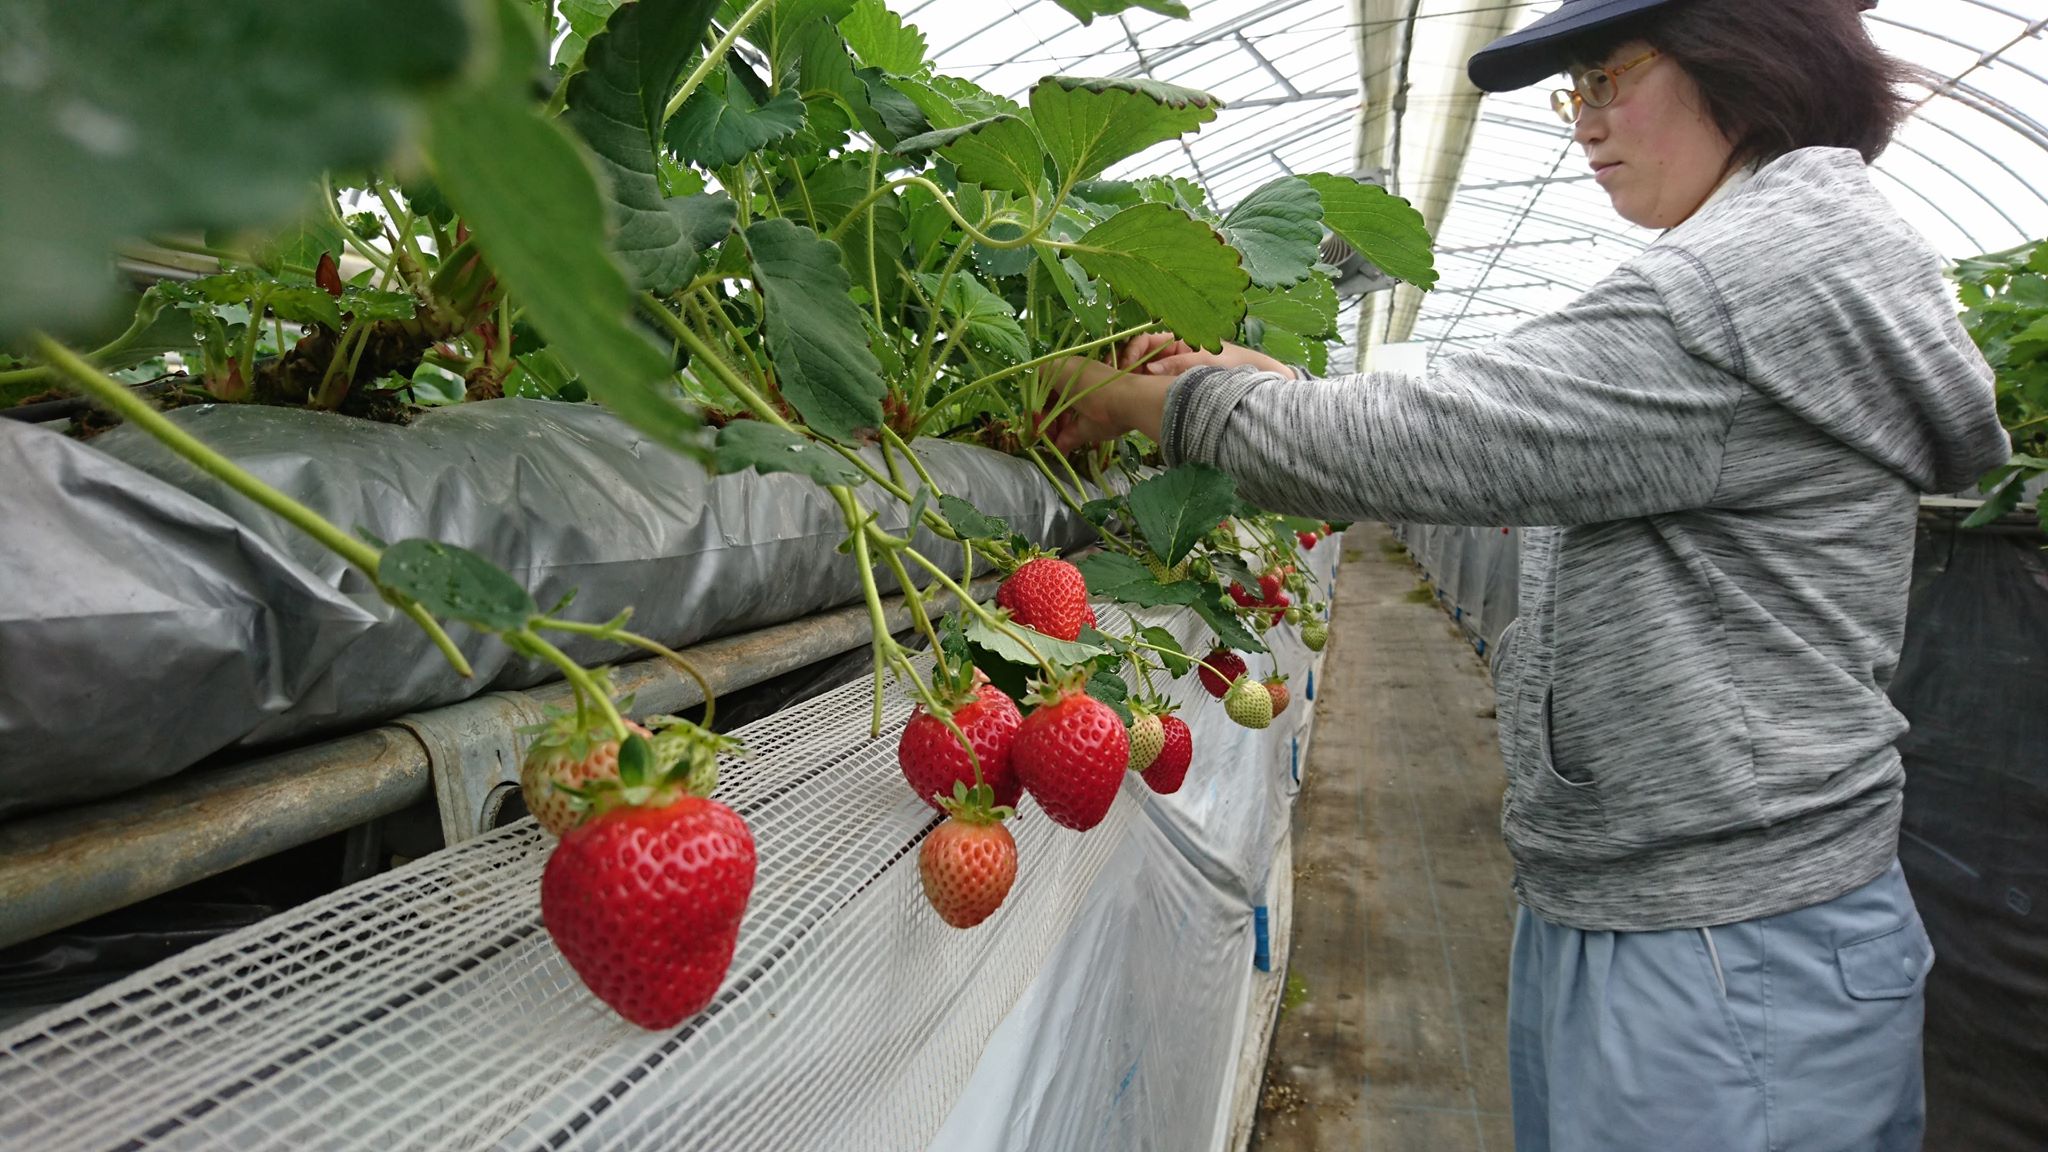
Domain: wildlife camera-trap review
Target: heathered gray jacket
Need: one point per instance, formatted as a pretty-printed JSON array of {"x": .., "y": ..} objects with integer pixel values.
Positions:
[{"x": 1728, "y": 436}]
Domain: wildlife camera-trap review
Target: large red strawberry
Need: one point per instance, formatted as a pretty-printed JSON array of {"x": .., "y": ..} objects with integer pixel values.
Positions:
[
  {"x": 567, "y": 754},
  {"x": 970, "y": 860},
  {"x": 645, "y": 898},
  {"x": 1306, "y": 539},
  {"x": 1243, "y": 596},
  {"x": 1218, "y": 669},
  {"x": 1271, "y": 583},
  {"x": 1071, "y": 754},
  {"x": 1177, "y": 751},
  {"x": 933, "y": 760},
  {"x": 1279, "y": 602},
  {"x": 1048, "y": 594}
]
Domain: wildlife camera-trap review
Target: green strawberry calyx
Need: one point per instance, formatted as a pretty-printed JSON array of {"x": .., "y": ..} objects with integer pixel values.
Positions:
[
  {"x": 975, "y": 805},
  {"x": 678, "y": 759}
]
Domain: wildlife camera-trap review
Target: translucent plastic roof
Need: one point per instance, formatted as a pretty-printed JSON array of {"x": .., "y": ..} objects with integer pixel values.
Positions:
[{"x": 1378, "y": 87}]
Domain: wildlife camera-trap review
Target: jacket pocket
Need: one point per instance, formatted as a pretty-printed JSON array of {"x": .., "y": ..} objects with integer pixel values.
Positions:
[{"x": 1890, "y": 966}]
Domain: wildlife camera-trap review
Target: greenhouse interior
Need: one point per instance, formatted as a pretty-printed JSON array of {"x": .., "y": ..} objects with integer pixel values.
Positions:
[{"x": 1051, "y": 575}]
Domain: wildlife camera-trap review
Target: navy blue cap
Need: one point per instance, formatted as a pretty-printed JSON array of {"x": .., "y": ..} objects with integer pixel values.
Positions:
[{"x": 1522, "y": 58}]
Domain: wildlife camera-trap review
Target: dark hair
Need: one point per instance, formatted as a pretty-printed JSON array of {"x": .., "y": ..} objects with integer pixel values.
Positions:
[{"x": 1777, "y": 75}]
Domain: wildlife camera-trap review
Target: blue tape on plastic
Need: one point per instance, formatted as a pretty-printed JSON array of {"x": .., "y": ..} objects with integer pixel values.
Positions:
[
  {"x": 1294, "y": 758},
  {"x": 1262, "y": 946},
  {"x": 1457, "y": 613},
  {"x": 1311, "y": 683}
]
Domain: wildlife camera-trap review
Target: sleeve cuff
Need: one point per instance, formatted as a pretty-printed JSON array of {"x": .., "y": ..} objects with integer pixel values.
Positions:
[{"x": 1197, "y": 406}]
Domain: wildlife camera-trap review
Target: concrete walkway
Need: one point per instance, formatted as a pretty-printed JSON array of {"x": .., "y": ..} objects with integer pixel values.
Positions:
[{"x": 1394, "y": 1034}]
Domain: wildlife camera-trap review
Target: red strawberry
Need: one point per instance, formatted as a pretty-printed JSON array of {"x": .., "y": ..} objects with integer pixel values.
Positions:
[
  {"x": 933, "y": 761},
  {"x": 1071, "y": 753},
  {"x": 1218, "y": 669},
  {"x": 1279, "y": 603},
  {"x": 645, "y": 898},
  {"x": 645, "y": 904},
  {"x": 1048, "y": 594},
  {"x": 1271, "y": 583},
  {"x": 567, "y": 754},
  {"x": 970, "y": 860},
  {"x": 1276, "y": 687},
  {"x": 1088, "y": 618},
  {"x": 1170, "y": 767},
  {"x": 1243, "y": 596},
  {"x": 1307, "y": 539}
]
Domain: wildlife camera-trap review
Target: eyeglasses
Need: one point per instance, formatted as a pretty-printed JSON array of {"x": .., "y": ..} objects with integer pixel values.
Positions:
[{"x": 1596, "y": 88}]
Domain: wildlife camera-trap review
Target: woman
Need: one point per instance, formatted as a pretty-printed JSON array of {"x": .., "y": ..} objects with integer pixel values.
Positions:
[{"x": 1716, "y": 950}]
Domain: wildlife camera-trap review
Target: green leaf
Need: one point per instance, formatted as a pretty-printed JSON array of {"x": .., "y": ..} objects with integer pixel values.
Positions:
[
  {"x": 671, "y": 32},
  {"x": 1278, "y": 230},
  {"x": 1174, "y": 265},
  {"x": 99, "y": 145},
  {"x": 456, "y": 583},
  {"x": 1176, "y": 508},
  {"x": 1217, "y": 613},
  {"x": 970, "y": 521},
  {"x": 1087, "y": 125},
  {"x": 300, "y": 304},
  {"x": 782, "y": 31},
  {"x": 815, "y": 335},
  {"x": 1381, "y": 227},
  {"x": 534, "y": 206},
  {"x": 1114, "y": 576},
  {"x": 1087, "y": 10},
  {"x": 1000, "y": 152},
  {"x": 1999, "y": 505},
  {"x": 763, "y": 447},
  {"x": 880, "y": 39},
  {"x": 720, "y": 123},
  {"x": 1308, "y": 309},
  {"x": 160, "y": 326},
  {"x": 990, "y": 322},
  {"x": 619, "y": 120},
  {"x": 1110, "y": 688},
  {"x": 1057, "y": 652},
  {"x": 1177, "y": 660}
]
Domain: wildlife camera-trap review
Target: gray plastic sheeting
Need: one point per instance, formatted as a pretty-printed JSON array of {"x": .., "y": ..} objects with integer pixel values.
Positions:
[
  {"x": 1973, "y": 682},
  {"x": 150, "y": 617},
  {"x": 1476, "y": 572},
  {"x": 1130, "y": 1034}
]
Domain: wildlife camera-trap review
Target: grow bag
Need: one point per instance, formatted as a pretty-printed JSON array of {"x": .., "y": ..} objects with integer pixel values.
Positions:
[{"x": 150, "y": 617}]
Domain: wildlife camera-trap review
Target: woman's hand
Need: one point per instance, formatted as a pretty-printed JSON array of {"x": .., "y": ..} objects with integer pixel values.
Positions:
[
  {"x": 1101, "y": 402},
  {"x": 1164, "y": 354}
]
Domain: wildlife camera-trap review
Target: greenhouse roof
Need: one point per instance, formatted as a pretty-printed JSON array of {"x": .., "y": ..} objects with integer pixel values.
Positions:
[{"x": 1378, "y": 87}]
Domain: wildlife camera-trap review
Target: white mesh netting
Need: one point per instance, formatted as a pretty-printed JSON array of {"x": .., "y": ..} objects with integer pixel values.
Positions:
[{"x": 427, "y": 1008}]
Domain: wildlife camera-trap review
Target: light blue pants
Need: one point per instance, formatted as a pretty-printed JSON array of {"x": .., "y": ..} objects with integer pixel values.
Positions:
[{"x": 1791, "y": 1033}]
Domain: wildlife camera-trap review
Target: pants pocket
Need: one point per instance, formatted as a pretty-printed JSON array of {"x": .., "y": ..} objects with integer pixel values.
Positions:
[{"x": 1891, "y": 965}]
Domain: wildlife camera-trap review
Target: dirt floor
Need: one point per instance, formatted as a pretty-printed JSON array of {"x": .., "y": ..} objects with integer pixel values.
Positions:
[{"x": 1393, "y": 1034}]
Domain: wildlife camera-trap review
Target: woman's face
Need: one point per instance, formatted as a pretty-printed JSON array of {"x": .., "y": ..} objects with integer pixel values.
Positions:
[{"x": 1654, "y": 149}]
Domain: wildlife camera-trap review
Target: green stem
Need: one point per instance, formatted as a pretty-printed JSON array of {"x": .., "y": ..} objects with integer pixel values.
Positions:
[
  {"x": 435, "y": 632},
  {"x": 586, "y": 685},
  {"x": 1036, "y": 229},
  {"x": 889, "y": 436},
  {"x": 611, "y": 631},
  {"x": 1075, "y": 350},
  {"x": 714, "y": 57},
  {"x": 915, "y": 602},
  {"x": 968, "y": 603},
  {"x": 378, "y": 260},
  {"x": 878, "y": 622}
]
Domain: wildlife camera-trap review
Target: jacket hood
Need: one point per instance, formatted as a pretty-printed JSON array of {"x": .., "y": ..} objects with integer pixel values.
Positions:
[{"x": 1841, "y": 312}]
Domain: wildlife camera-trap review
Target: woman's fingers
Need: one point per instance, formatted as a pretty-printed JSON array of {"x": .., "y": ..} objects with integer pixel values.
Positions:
[{"x": 1147, "y": 345}]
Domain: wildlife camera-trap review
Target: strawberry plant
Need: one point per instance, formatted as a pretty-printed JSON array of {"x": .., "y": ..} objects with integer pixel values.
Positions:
[
  {"x": 2005, "y": 310},
  {"x": 765, "y": 234}
]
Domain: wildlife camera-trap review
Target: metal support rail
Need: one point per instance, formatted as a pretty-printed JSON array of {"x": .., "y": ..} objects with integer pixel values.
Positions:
[{"x": 63, "y": 867}]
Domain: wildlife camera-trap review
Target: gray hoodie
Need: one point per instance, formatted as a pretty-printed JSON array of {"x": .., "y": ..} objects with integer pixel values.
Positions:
[{"x": 1728, "y": 437}]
